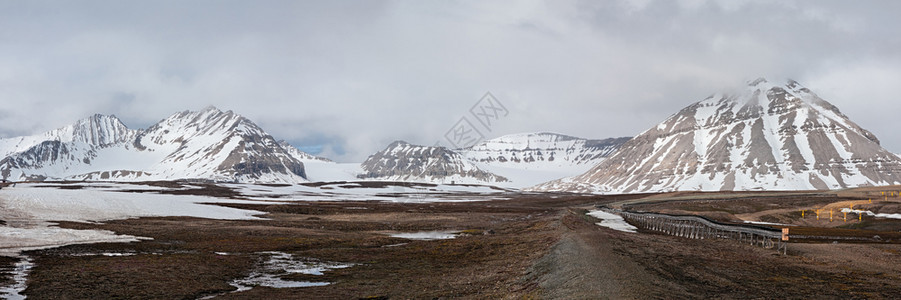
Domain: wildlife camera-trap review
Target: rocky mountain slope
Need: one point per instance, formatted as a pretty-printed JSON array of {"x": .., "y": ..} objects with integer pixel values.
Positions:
[
  {"x": 70, "y": 148},
  {"x": 768, "y": 136},
  {"x": 541, "y": 150},
  {"x": 300, "y": 155},
  {"x": 207, "y": 144},
  {"x": 402, "y": 161}
]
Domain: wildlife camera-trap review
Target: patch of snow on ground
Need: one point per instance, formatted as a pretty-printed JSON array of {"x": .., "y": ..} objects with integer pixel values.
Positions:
[
  {"x": 107, "y": 254},
  {"x": 427, "y": 235},
  {"x": 281, "y": 264},
  {"x": 354, "y": 191},
  {"x": 107, "y": 186},
  {"x": 29, "y": 211},
  {"x": 52, "y": 204},
  {"x": 20, "y": 274},
  {"x": 872, "y": 214},
  {"x": 767, "y": 223},
  {"x": 320, "y": 171},
  {"x": 41, "y": 235},
  {"x": 612, "y": 221}
]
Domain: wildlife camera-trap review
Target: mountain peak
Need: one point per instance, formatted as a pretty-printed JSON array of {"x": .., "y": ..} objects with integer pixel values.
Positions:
[
  {"x": 100, "y": 118},
  {"x": 210, "y": 108},
  {"x": 757, "y": 81},
  {"x": 399, "y": 143},
  {"x": 206, "y": 144},
  {"x": 764, "y": 85},
  {"x": 97, "y": 129},
  {"x": 765, "y": 81},
  {"x": 770, "y": 137}
]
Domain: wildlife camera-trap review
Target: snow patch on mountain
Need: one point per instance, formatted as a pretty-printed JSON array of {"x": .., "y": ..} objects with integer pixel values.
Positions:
[
  {"x": 209, "y": 144},
  {"x": 765, "y": 137},
  {"x": 542, "y": 150},
  {"x": 527, "y": 159},
  {"x": 402, "y": 161},
  {"x": 300, "y": 155}
]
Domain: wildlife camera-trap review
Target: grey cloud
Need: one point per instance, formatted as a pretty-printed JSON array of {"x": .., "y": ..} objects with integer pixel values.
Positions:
[{"x": 352, "y": 76}]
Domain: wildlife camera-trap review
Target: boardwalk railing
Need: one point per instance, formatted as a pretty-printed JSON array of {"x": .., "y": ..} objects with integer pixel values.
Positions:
[{"x": 696, "y": 227}]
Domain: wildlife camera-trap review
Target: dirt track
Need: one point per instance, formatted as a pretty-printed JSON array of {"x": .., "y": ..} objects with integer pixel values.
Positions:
[{"x": 584, "y": 265}]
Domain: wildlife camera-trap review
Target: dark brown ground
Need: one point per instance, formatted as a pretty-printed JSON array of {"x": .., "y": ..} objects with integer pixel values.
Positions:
[
  {"x": 529, "y": 247},
  {"x": 6, "y": 267}
]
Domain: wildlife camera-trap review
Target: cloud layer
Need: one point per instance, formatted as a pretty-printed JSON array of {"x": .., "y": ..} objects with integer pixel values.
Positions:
[{"x": 349, "y": 77}]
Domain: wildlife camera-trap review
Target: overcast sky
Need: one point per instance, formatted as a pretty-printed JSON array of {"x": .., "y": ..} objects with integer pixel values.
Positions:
[{"x": 352, "y": 76}]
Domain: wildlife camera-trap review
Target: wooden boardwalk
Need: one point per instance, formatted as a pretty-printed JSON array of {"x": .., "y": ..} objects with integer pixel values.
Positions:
[{"x": 696, "y": 227}]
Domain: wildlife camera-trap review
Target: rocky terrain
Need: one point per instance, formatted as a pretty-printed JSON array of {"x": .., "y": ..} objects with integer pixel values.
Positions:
[
  {"x": 526, "y": 246},
  {"x": 541, "y": 150},
  {"x": 769, "y": 136},
  {"x": 209, "y": 144},
  {"x": 402, "y": 161}
]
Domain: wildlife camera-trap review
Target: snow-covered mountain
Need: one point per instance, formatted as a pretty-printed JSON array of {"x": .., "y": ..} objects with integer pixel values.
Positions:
[
  {"x": 541, "y": 150},
  {"x": 97, "y": 130},
  {"x": 68, "y": 149},
  {"x": 512, "y": 161},
  {"x": 300, "y": 155},
  {"x": 766, "y": 137},
  {"x": 402, "y": 161},
  {"x": 207, "y": 144},
  {"x": 526, "y": 159}
]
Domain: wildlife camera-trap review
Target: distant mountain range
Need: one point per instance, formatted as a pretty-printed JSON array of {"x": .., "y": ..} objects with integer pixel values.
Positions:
[
  {"x": 541, "y": 150},
  {"x": 223, "y": 146},
  {"x": 401, "y": 161},
  {"x": 769, "y": 136},
  {"x": 515, "y": 160},
  {"x": 207, "y": 144}
]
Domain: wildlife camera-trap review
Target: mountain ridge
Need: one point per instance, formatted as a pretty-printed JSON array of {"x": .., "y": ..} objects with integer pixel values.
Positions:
[
  {"x": 541, "y": 147},
  {"x": 402, "y": 161},
  {"x": 208, "y": 144},
  {"x": 768, "y": 137}
]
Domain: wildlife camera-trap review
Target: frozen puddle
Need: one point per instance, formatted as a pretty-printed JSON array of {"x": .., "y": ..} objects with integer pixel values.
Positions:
[
  {"x": 612, "y": 221},
  {"x": 427, "y": 235},
  {"x": 20, "y": 274},
  {"x": 282, "y": 264}
]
